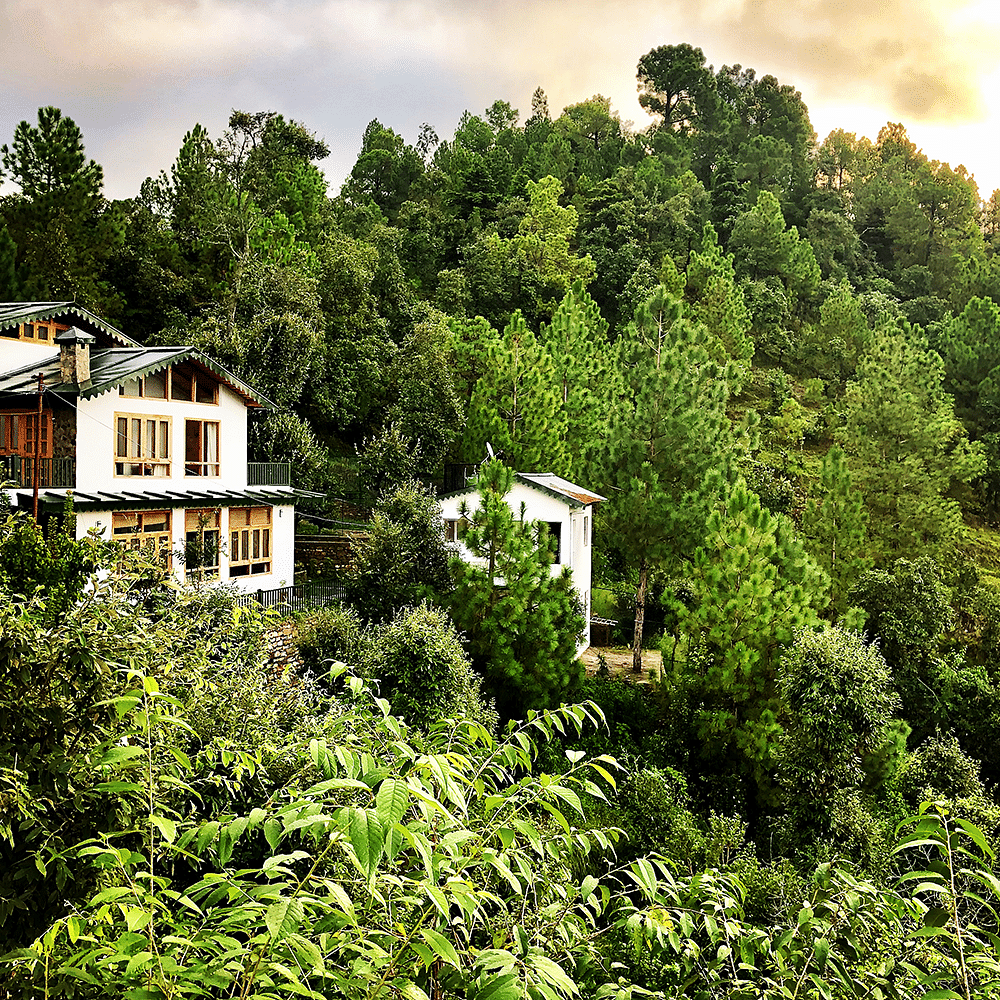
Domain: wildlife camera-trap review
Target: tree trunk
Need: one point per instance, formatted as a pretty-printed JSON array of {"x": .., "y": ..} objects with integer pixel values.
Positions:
[{"x": 640, "y": 615}]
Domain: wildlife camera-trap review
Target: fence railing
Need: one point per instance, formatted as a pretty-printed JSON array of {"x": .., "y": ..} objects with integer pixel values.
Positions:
[
  {"x": 269, "y": 474},
  {"x": 298, "y": 597},
  {"x": 53, "y": 473}
]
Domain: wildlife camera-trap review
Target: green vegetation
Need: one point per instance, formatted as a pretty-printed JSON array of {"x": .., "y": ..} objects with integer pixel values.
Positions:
[{"x": 777, "y": 357}]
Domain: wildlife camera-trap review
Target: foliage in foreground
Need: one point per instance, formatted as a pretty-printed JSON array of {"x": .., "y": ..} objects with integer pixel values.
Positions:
[{"x": 398, "y": 865}]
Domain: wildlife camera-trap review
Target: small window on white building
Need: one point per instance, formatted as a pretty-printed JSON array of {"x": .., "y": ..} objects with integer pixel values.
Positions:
[
  {"x": 586, "y": 540},
  {"x": 451, "y": 530},
  {"x": 555, "y": 543}
]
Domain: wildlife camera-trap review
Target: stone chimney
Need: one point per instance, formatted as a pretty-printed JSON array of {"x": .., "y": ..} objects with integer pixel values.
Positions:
[{"x": 74, "y": 355}]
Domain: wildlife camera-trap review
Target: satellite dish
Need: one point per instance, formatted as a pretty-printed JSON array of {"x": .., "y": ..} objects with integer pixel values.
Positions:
[{"x": 489, "y": 450}]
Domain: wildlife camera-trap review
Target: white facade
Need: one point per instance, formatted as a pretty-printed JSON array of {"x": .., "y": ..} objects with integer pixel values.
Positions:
[
  {"x": 570, "y": 518},
  {"x": 127, "y": 448},
  {"x": 96, "y": 432}
]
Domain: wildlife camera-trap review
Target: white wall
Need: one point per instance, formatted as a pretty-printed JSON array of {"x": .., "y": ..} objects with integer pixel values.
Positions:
[
  {"x": 95, "y": 443},
  {"x": 15, "y": 354},
  {"x": 541, "y": 506}
]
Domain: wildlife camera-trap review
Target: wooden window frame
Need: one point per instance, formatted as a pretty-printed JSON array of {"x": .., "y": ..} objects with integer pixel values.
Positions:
[
  {"x": 198, "y": 465},
  {"x": 200, "y": 524},
  {"x": 251, "y": 545},
  {"x": 141, "y": 379},
  {"x": 22, "y": 333},
  {"x": 139, "y": 529},
  {"x": 129, "y": 450},
  {"x": 25, "y": 422},
  {"x": 197, "y": 380}
]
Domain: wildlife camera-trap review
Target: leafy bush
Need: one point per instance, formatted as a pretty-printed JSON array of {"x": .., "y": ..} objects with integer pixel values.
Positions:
[
  {"x": 404, "y": 557},
  {"x": 423, "y": 669},
  {"x": 332, "y": 634}
]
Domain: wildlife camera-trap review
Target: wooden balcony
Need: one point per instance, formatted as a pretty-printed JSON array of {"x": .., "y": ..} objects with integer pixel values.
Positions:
[{"x": 17, "y": 472}]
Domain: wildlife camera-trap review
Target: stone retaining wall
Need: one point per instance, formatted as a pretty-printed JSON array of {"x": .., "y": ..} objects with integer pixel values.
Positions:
[{"x": 281, "y": 651}]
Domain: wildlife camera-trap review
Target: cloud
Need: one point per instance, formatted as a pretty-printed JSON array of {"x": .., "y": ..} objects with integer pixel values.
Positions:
[{"x": 154, "y": 67}]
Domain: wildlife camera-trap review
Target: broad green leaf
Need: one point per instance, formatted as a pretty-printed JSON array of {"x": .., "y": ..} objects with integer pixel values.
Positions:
[
  {"x": 506, "y": 987},
  {"x": 139, "y": 961},
  {"x": 283, "y": 918},
  {"x": 272, "y": 832},
  {"x": 367, "y": 838},
  {"x": 136, "y": 919},
  {"x": 568, "y": 796},
  {"x": 441, "y": 946},
  {"x": 166, "y": 826},
  {"x": 73, "y": 928},
  {"x": 116, "y": 755},
  {"x": 553, "y": 974},
  {"x": 411, "y": 991},
  {"x": 391, "y": 801}
]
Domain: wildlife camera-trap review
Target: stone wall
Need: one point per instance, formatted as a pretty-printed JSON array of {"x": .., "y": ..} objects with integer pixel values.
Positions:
[
  {"x": 281, "y": 651},
  {"x": 327, "y": 555},
  {"x": 64, "y": 433}
]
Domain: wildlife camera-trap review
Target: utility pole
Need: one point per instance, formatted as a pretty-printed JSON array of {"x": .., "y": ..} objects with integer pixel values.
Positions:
[{"x": 38, "y": 450}]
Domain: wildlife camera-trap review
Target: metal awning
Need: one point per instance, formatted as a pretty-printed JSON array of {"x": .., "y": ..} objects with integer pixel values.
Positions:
[{"x": 52, "y": 500}]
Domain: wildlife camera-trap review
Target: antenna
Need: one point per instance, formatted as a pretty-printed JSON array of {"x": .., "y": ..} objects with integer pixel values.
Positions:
[{"x": 489, "y": 450}]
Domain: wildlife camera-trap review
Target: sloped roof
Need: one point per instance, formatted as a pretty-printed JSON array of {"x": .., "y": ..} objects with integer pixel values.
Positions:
[
  {"x": 550, "y": 483},
  {"x": 15, "y": 313},
  {"x": 110, "y": 367}
]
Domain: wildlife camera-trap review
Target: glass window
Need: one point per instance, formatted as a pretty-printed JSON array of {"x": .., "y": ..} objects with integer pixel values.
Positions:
[
  {"x": 182, "y": 383},
  {"x": 144, "y": 530},
  {"x": 201, "y": 448},
  {"x": 154, "y": 385},
  {"x": 250, "y": 540},
  {"x": 142, "y": 445}
]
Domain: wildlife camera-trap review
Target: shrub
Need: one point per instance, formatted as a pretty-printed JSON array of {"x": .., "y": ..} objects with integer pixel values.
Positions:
[
  {"x": 332, "y": 634},
  {"x": 423, "y": 669},
  {"x": 405, "y": 557}
]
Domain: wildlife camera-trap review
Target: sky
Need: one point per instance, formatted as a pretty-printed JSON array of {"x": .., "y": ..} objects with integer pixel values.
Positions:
[{"x": 136, "y": 75}]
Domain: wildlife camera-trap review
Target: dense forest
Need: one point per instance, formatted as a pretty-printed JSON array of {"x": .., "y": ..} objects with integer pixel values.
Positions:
[{"x": 778, "y": 358}]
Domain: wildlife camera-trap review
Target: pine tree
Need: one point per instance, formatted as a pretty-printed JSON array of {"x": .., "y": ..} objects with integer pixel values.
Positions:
[
  {"x": 907, "y": 449},
  {"x": 752, "y": 586},
  {"x": 516, "y": 406},
  {"x": 671, "y": 451},
  {"x": 834, "y": 526},
  {"x": 584, "y": 367},
  {"x": 521, "y": 622}
]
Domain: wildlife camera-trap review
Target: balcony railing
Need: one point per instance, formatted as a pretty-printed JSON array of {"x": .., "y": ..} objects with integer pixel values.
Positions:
[
  {"x": 53, "y": 473},
  {"x": 269, "y": 474}
]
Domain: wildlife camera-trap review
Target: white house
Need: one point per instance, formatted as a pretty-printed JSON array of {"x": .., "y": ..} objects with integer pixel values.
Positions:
[
  {"x": 150, "y": 442},
  {"x": 566, "y": 508}
]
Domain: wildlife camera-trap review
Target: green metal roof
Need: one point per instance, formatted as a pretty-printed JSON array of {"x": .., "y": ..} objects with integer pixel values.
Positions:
[
  {"x": 15, "y": 313},
  {"x": 147, "y": 500},
  {"x": 110, "y": 367}
]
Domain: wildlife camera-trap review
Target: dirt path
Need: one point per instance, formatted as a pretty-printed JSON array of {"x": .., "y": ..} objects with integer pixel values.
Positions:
[{"x": 619, "y": 660}]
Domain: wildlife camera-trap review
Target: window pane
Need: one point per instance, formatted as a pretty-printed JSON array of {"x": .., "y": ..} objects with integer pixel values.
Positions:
[
  {"x": 211, "y": 444},
  {"x": 205, "y": 388},
  {"x": 131, "y": 387},
  {"x": 164, "y": 439},
  {"x": 121, "y": 443},
  {"x": 267, "y": 543},
  {"x": 155, "y": 386},
  {"x": 180, "y": 383},
  {"x": 244, "y": 546},
  {"x": 256, "y": 544},
  {"x": 151, "y": 438},
  {"x": 135, "y": 444}
]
